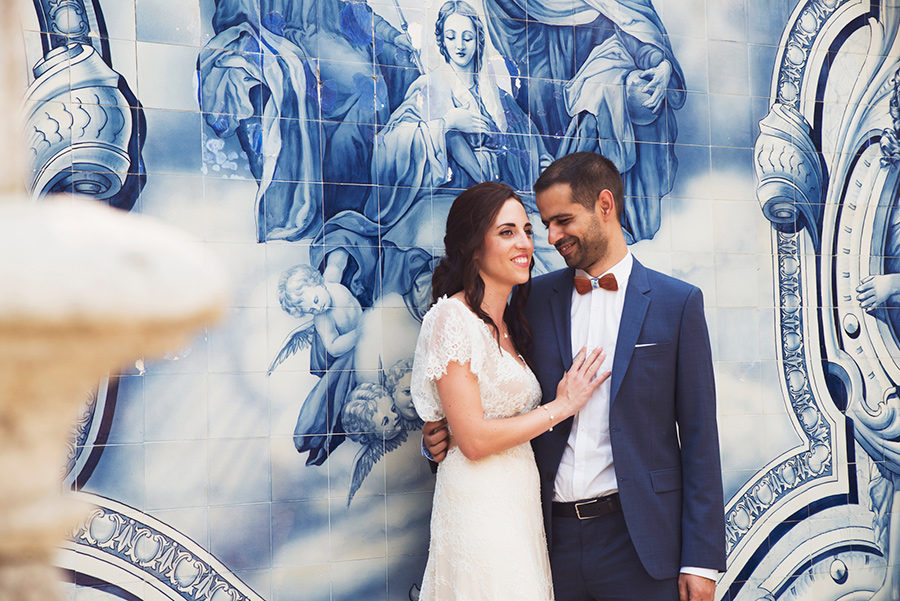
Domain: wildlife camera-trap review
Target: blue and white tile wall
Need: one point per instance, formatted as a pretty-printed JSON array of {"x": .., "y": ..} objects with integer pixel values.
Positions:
[{"x": 276, "y": 456}]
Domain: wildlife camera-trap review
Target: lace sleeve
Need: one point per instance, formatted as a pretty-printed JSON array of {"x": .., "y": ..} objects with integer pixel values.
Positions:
[{"x": 446, "y": 335}]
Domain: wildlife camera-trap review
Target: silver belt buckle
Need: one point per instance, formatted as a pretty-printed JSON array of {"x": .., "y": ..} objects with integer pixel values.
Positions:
[{"x": 578, "y": 509}]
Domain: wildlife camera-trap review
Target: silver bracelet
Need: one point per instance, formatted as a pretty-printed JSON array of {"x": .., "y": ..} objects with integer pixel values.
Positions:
[{"x": 549, "y": 416}]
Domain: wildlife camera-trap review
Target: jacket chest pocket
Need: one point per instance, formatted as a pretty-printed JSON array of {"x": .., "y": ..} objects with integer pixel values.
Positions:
[{"x": 651, "y": 349}]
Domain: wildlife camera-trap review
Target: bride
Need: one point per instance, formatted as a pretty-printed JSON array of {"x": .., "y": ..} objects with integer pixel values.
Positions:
[{"x": 487, "y": 534}]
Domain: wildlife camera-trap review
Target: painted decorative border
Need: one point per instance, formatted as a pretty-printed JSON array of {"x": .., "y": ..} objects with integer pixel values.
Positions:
[
  {"x": 814, "y": 463},
  {"x": 65, "y": 22},
  {"x": 118, "y": 535},
  {"x": 89, "y": 433},
  {"x": 795, "y": 57},
  {"x": 81, "y": 431},
  {"x": 791, "y": 190}
]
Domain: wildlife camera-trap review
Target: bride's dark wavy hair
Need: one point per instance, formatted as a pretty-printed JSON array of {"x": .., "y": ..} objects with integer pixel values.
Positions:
[{"x": 471, "y": 216}]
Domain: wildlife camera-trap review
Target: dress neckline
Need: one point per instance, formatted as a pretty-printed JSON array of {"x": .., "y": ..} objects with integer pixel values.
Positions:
[{"x": 520, "y": 360}]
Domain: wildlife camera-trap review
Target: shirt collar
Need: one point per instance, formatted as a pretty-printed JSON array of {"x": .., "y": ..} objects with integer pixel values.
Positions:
[{"x": 622, "y": 270}]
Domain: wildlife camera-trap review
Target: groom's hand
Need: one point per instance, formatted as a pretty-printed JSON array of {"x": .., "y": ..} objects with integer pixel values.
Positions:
[
  {"x": 695, "y": 588},
  {"x": 436, "y": 439}
]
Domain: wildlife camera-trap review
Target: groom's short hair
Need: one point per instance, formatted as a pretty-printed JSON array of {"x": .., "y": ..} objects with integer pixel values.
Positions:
[{"x": 588, "y": 174}]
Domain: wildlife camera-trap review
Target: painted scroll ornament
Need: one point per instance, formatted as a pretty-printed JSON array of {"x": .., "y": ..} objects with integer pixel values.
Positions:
[{"x": 78, "y": 125}]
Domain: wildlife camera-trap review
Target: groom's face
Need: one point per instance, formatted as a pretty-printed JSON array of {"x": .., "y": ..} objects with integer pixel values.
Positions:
[{"x": 576, "y": 231}]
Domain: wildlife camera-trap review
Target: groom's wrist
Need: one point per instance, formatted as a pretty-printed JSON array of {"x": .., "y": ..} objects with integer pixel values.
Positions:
[{"x": 708, "y": 573}]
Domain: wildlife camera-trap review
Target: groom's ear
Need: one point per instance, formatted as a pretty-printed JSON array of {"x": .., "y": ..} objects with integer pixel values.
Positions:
[{"x": 605, "y": 205}]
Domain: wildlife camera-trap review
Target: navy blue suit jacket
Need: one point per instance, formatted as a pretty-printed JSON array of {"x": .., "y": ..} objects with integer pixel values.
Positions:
[{"x": 662, "y": 416}]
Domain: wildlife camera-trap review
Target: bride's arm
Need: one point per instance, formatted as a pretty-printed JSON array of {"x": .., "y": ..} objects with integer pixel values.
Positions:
[{"x": 478, "y": 437}]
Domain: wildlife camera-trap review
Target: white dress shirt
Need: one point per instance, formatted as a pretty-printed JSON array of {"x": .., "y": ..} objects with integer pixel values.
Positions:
[{"x": 586, "y": 470}]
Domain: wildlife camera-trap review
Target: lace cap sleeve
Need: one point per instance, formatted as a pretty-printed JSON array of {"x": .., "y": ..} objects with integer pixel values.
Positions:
[{"x": 447, "y": 335}]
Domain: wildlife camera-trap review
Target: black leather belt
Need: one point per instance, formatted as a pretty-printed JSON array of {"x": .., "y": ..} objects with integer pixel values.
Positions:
[{"x": 589, "y": 508}]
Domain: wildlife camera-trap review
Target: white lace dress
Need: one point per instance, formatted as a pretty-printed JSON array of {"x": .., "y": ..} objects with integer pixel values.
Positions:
[{"x": 487, "y": 531}]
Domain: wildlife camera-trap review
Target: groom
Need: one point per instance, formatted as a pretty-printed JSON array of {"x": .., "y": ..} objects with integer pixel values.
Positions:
[{"x": 631, "y": 486}]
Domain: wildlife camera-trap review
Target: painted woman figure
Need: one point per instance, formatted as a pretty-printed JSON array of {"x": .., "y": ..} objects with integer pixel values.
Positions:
[
  {"x": 876, "y": 427},
  {"x": 610, "y": 84},
  {"x": 306, "y": 125},
  {"x": 455, "y": 128}
]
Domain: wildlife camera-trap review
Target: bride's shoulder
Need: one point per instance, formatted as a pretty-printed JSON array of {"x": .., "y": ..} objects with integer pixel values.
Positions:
[
  {"x": 455, "y": 302},
  {"x": 447, "y": 307}
]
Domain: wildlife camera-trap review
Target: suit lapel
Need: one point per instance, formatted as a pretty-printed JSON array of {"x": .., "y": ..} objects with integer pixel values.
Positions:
[
  {"x": 549, "y": 446},
  {"x": 561, "y": 310},
  {"x": 637, "y": 300}
]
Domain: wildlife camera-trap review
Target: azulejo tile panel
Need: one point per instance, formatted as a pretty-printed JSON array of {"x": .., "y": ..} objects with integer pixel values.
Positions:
[{"x": 316, "y": 145}]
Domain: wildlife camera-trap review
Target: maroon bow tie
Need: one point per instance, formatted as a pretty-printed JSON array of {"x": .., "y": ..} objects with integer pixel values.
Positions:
[{"x": 585, "y": 285}]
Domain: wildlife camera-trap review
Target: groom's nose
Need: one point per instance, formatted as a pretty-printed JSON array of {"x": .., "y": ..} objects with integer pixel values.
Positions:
[{"x": 553, "y": 234}]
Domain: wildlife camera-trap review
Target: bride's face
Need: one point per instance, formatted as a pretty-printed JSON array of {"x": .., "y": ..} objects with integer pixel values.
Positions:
[
  {"x": 505, "y": 256},
  {"x": 460, "y": 40}
]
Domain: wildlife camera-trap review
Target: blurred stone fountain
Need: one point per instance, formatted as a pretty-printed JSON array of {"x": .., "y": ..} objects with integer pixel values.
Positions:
[{"x": 84, "y": 289}]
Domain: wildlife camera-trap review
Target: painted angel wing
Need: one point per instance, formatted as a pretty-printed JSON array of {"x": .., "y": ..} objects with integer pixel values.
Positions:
[
  {"x": 297, "y": 340},
  {"x": 366, "y": 459},
  {"x": 395, "y": 442}
]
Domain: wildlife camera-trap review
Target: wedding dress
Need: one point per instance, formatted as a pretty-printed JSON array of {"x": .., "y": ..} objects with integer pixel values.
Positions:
[{"x": 487, "y": 530}]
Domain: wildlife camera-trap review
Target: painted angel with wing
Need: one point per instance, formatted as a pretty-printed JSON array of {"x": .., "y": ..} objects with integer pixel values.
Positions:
[
  {"x": 328, "y": 311},
  {"x": 397, "y": 381},
  {"x": 371, "y": 419},
  {"x": 329, "y": 325}
]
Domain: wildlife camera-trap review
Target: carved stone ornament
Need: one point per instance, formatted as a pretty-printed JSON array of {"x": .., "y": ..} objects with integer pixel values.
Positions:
[{"x": 86, "y": 288}]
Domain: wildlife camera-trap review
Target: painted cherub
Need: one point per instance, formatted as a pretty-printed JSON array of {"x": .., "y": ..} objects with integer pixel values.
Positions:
[
  {"x": 370, "y": 418},
  {"x": 327, "y": 310},
  {"x": 330, "y": 317},
  {"x": 397, "y": 381}
]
